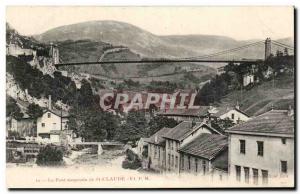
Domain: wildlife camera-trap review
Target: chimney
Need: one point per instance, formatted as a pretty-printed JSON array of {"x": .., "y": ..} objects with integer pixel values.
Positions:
[
  {"x": 49, "y": 103},
  {"x": 290, "y": 111}
]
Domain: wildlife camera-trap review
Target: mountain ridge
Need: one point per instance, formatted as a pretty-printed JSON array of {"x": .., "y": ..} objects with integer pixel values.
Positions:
[{"x": 146, "y": 43}]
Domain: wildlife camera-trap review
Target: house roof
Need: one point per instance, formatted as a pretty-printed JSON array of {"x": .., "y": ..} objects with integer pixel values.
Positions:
[
  {"x": 58, "y": 112},
  {"x": 157, "y": 138},
  {"x": 206, "y": 146},
  {"x": 224, "y": 110},
  {"x": 185, "y": 128},
  {"x": 202, "y": 111},
  {"x": 272, "y": 122},
  {"x": 179, "y": 131}
]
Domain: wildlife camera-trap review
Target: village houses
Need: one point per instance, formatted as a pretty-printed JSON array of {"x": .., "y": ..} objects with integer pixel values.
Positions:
[
  {"x": 262, "y": 148},
  {"x": 207, "y": 154},
  {"x": 207, "y": 112},
  {"x": 156, "y": 150},
  {"x": 234, "y": 114},
  {"x": 180, "y": 135}
]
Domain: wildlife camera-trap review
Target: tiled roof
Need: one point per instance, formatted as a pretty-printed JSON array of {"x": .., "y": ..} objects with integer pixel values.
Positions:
[
  {"x": 202, "y": 111},
  {"x": 179, "y": 131},
  {"x": 274, "y": 121},
  {"x": 58, "y": 112},
  {"x": 157, "y": 137},
  {"x": 206, "y": 146}
]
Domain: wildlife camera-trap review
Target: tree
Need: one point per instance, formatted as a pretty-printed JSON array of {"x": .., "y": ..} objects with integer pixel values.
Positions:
[
  {"x": 49, "y": 155},
  {"x": 93, "y": 124},
  {"x": 134, "y": 128},
  {"x": 222, "y": 124},
  {"x": 12, "y": 109},
  {"x": 157, "y": 123},
  {"x": 34, "y": 111}
]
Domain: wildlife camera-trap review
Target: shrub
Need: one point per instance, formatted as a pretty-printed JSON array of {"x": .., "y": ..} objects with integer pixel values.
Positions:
[{"x": 49, "y": 155}]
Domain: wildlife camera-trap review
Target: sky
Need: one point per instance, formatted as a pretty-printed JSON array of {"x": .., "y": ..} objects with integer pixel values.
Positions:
[{"x": 240, "y": 23}]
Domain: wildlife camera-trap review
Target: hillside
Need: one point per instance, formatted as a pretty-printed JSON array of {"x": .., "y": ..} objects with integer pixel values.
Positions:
[
  {"x": 261, "y": 98},
  {"x": 87, "y": 50},
  {"x": 148, "y": 44}
]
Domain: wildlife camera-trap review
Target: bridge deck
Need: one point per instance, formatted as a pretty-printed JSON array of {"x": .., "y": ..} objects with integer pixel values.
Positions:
[
  {"x": 96, "y": 143},
  {"x": 162, "y": 61}
]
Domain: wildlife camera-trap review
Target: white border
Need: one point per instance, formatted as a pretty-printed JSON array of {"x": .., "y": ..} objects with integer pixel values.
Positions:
[{"x": 5, "y": 3}]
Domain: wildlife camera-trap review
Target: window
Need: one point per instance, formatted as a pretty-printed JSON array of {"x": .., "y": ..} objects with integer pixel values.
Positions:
[
  {"x": 169, "y": 144},
  {"x": 204, "y": 167},
  {"x": 158, "y": 153},
  {"x": 242, "y": 146},
  {"x": 172, "y": 161},
  {"x": 43, "y": 124},
  {"x": 169, "y": 159},
  {"x": 49, "y": 115},
  {"x": 176, "y": 161},
  {"x": 255, "y": 176},
  {"x": 283, "y": 166},
  {"x": 196, "y": 165},
  {"x": 246, "y": 170},
  {"x": 232, "y": 116},
  {"x": 189, "y": 162},
  {"x": 264, "y": 176},
  {"x": 182, "y": 161},
  {"x": 260, "y": 148},
  {"x": 238, "y": 173},
  {"x": 283, "y": 140},
  {"x": 172, "y": 145},
  {"x": 155, "y": 151}
]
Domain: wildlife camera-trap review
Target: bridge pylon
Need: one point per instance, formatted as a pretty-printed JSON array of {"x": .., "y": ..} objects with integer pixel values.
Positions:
[{"x": 268, "y": 51}]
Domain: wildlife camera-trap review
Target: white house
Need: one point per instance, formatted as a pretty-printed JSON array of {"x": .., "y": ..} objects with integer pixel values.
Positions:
[
  {"x": 261, "y": 151},
  {"x": 232, "y": 113},
  {"x": 51, "y": 126}
]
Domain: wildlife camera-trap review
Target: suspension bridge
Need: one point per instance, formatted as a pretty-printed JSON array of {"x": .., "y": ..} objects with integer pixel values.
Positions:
[{"x": 225, "y": 56}]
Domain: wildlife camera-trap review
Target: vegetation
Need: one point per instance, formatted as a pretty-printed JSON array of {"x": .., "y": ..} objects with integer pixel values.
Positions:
[
  {"x": 12, "y": 109},
  {"x": 49, "y": 155},
  {"x": 34, "y": 111},
  {"x": 133, "y": 128},
  {"x": 156, "y": 123},
  {"x": 163, "y": 86},
  {"x": 232, "y": 79},
  {"x": 222, "y": 124},
  {"x": 131, "y": 161}
]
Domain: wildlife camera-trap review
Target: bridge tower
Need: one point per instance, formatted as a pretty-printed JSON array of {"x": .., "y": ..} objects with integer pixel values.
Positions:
[
  {"x": 267, "y": 48},
  {"x": 54, "y": 53}
]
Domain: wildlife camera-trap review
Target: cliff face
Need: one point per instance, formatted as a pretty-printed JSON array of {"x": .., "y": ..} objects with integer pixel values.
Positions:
[{"x": 39, "y": 56}]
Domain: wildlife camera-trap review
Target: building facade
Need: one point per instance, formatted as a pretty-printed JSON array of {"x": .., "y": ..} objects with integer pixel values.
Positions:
[
  {"x": 25, "y": 127},
  {"x": 234, "y": 114},
  {"x": 206, "y": 155},
  {"x": 156, "y": 150},
  {"x": 262, "y": 149},
  {"x": 51, "y": 125},
  {"x": 179, "y": 136}
]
